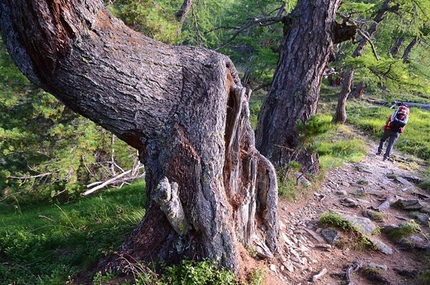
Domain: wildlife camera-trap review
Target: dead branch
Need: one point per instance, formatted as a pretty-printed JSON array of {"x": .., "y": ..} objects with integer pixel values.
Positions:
[
  {"x": 254, "y": 21},
  {"x": 114, "y": 180}
]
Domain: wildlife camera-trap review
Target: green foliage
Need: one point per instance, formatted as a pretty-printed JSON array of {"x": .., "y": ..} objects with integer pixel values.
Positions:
[
  {"x": 331, "y": 218},
  {"x": 425, "y": 184},
  {"x": 358, "y": 239},
  {"x": 414, "y": 140},
  {"x": 192, "y": 272},
  {"x": 46, "y": 149},
  {"x": 288, "y": 187},
  {"x": 378, "y": 65},
  {"x": 46, "y": 243},
  {"x": 404, "y": 230},
  {"x": 338, "y": 145},
  {"x": 155, "y": 21},
  {"x": 255, "y": 49}
]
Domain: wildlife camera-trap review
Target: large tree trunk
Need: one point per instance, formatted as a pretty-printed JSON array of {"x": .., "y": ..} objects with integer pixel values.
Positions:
[
  {"x": 306, "y": 48},
  {"x": 210, "y": 192}
]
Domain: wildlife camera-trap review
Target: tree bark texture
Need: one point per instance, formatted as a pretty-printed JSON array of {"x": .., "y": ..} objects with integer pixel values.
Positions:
[
  {"x": 306, "y": 48},
  {"x": 210, "y": 192}
]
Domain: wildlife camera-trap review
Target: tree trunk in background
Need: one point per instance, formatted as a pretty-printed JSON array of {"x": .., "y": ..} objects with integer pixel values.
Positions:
[
  {"x": 340, "y": 115},
  {"x": 396, "y": 47},
  {"x": 182, "y": 14},
  {"x": 359, "y": 90},
  {"x": 184, "y": 109},
  {"x": 306, "y": 48},
  {"x": 408, "y": 49}
]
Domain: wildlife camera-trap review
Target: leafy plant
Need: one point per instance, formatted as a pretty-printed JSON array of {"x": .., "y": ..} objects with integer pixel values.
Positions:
[
  {"x": 191, "y": 272},
  {"x": 404, "y": 230}
]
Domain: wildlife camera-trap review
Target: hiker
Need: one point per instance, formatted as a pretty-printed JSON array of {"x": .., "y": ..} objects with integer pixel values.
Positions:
[{"x": 393, "y": 128}]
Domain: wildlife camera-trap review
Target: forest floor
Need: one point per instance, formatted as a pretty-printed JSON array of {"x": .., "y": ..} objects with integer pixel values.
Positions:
[{"x": 355, "y": 190}]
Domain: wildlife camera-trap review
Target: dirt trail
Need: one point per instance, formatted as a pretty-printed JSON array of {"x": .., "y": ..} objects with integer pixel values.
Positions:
[{"x": 353, "y": 190}]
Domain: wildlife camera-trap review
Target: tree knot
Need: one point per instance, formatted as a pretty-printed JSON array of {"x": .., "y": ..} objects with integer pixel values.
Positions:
[{"x": 166, "y": 196}]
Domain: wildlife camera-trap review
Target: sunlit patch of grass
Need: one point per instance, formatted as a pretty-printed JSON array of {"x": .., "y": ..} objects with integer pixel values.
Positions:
[
  {"x": 340, "y": 145},
  {"x": 56, "y": 241}
]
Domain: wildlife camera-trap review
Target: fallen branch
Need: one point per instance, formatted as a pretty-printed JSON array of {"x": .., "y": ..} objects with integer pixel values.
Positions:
[{"x": 113, "y": 180}]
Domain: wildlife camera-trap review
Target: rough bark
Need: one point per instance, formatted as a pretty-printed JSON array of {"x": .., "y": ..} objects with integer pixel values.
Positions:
[
  {"x": 340, "y": 115},
  {"x": 183, "y": 108},
  {"x": 306, "y": 48}
]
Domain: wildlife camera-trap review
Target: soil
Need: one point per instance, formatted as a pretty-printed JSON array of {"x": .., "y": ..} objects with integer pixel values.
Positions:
[{"x": 368, "y": 184}]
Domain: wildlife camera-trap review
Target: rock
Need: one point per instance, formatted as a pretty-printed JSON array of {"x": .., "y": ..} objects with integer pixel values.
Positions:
[
  {"x": 364, "y": 225},
  {"x": 409, "y": 205},
  {"x": 330, "y": 235},
  {"x": 382, "y": 247},
  {"x": 347, "y": 202},
  {"x": 363, "y": 201},
  {"x": 289, "y": 266},
  {"x": 412, "y": 178},
  {"x": 362, "y": 168},
  {"x": 286, "y": 239},
  {"x": 421, "y": 196},
  {"x": 300, "y": 177},
  {"x": 386, "y": 229},
  {"x": 414, "y": 241},
  {"x": 420, "y": 217},
  {"x": 382, "y": 267},
  {"x": 387, "y": 203},
  {"x": 314, "y": 235},
  {"x": 341, "y": 193},
  {"x": 407, "y": 273},
  {"x": 374, "y": 215},
  {"x": 408, "y": 185},
  {"x": 273, "y": 268},
  {"x": 319, "y": 275}
]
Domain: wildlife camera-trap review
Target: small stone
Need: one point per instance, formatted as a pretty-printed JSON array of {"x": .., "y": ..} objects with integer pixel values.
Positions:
[
  {"x": 273, "y": 268},
  {"x": 341, "y": 193},
  {"x": 408, "y": 204},
  {"x": 382, "y": 247},
  {"x": 382, "y": 267},
  {"x": 319, "y": 275},
  {"x": 289, "y": 266},
  {"x": 330, "y": 235}
]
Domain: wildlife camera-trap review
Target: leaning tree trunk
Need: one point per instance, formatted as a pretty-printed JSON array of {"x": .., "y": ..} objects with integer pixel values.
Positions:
[
  {"x": 306, "y": 48},
  {"x": 210, "y": 192}
]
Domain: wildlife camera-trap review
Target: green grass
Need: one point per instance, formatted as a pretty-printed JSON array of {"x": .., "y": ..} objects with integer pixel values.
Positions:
[
  {"x": 50, "y": 243},
  {"x": 414, "y": 140}
]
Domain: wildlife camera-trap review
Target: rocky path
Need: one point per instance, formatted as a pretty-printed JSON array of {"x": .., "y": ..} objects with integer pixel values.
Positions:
[{"x": 379, "y": 198}]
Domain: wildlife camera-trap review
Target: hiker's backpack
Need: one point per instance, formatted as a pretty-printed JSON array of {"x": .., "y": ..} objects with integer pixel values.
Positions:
[{"x": 399, "y": 118}]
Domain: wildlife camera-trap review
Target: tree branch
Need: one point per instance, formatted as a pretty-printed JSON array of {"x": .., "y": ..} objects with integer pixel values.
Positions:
[
  {"x": 111, "y": 181},
  {"x": 363, "y": 34},
  {"x": 260, "y": 21}
]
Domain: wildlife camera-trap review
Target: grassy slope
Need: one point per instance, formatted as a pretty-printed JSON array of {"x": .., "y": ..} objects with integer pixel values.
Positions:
[{"x": 46, "y": 243}]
